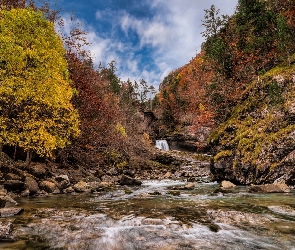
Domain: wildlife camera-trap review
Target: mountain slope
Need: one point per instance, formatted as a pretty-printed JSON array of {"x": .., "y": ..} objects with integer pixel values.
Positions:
[{"x": 257, "y": 143}]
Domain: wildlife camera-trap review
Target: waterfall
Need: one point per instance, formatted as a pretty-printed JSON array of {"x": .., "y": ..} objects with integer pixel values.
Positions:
[{"x": 162, "y": 144}]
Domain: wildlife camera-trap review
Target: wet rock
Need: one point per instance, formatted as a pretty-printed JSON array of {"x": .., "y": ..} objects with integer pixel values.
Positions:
[
  {"x": 6, "y": 229},
  {"x": 49, "y": 187},
  {"x": 189, "y": 186},
  {"x": 227, "y": 184},
  {"x": 81, "y": 187},
  {"x": 9, "y": 201},
  {"x": 62, "y": 178},
  {"x": 226, "y": 187},
  {"x": 62, "y": 181},
  {"x": 126, "y": 180},
  {"x": 237, "y": 217},
  {"x": 269, "y": 188},
  {"x": 41, "y": 193},
  {"x": 174, "y": 192},
  {"x": 128, "y": 191},
  {"x": 15, "y": 186},
  {"x": 96, "y": 186},
  {"x": 10, "y": 211},
  {"x": 31, "y": 185},
  {"x": 223, "y": 190},
  {"x": 213, "y": 227},
  {"x": 69, "y": 190},
  {"x": 150, "y": 221},
  {"x": 155, "y": 193}
]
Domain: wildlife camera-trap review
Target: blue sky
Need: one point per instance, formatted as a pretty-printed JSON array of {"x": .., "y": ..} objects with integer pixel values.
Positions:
[{"x": 147, "y": 38}]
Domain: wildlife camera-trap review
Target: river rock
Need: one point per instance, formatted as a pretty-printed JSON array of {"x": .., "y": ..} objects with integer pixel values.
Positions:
[
  {"x": 11, "y": 176},
  {"x": 49, "y": 187},
  {"x": 237, "y": 217},
  {"x": 126, "y": 180},
  {"x": 15, "y": 186},
  {"x": 81, "y": 187},
  {"x": 227, "y": 184},
  {"x": 38, "y": 170},
  {"x": 269, "y": 188},
  {"x": 189, "y": 186},
  {"x": 10, "y": 211},
  {"x": 6, "y": 229},
  {"x": 31, "y": 184},
  {"x": 62, "y": 181}
]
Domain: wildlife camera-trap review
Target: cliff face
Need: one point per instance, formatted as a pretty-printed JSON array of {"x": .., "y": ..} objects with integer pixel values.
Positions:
[{"x": 257, "y": 143}]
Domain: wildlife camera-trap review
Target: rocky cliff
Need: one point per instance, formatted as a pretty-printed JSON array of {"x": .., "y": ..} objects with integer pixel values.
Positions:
[{"x": 257, "y": 143}]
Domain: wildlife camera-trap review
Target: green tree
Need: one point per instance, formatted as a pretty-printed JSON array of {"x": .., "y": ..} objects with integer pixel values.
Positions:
[
  {"x": 36, "y": 112},
  {"x": 213, "y": 22}
]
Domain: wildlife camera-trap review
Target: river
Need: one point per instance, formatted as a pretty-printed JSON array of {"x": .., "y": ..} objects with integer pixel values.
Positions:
[{"x": 152, "y": 216}]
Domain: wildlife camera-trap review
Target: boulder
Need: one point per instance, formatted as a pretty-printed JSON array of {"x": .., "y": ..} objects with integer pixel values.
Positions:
[
  {"x": 15, "y": 186},
  {"x": 49, "y": 187},
  {"x": 81, "y": 187},
  {"x": 126, "y": 180},
  {"x": 11, "y": 176},
  {"x": 6, "y": 229},
  {"x": 31, "y": 184},
  {"x": 269, "y": 188},
  {"x": 38, "y": 170},
  {"x": 227, "y": 185},
  {"x": 62, "y": 181}
]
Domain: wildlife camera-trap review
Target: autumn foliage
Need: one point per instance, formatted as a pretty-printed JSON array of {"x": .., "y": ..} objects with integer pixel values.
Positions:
[
  {"x": 36, "y": 112},
  {"x": 237, "y": 50}
]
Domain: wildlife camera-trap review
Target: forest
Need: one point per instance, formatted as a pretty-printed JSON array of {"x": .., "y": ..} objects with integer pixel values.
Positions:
[{"x": 56, "y": 105}]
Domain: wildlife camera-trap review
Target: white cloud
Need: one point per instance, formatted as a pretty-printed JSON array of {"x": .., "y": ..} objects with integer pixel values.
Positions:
[{"x": 172, "y": 36}]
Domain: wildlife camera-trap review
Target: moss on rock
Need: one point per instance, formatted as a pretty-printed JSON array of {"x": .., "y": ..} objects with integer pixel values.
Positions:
[{"x": 259, "y": 134}]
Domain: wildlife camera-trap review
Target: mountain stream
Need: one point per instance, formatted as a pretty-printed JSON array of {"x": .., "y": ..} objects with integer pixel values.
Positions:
[{"x": 156, "y": 216}]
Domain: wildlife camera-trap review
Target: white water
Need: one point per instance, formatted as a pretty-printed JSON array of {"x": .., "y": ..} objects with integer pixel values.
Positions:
[{"x": 162, "y": 144}]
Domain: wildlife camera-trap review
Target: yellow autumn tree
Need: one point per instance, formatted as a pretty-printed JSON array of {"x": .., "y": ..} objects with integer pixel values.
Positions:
[{"x": 36, "y": 112}]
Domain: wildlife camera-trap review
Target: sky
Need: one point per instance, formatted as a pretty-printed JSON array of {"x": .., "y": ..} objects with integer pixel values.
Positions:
[{"x": 146, "y": 38}]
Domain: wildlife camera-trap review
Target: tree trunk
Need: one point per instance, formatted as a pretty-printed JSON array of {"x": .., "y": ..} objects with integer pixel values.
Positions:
[{"x": 29, "y": 157}]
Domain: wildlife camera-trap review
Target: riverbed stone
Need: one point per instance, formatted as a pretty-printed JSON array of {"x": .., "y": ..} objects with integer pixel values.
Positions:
[
  {"x": 269, "y": 188},
  {"x": 189, "y": 186},
  {"x": 10, "y": 211},
  {"x": 81, "y": 187},
  {"x": 62, "y": 181},
  {"x": 49, "y": 187},
  {"x": 11, "y": 176},
  {"x": 31, "y": 185},
  {"x": 15, "y": 186},
  {"x": 126, "y": 180},
  {"x": 227, "y": 185},
  {"x": 6, "y": 229},
  {"x": 38, "y": 170}
]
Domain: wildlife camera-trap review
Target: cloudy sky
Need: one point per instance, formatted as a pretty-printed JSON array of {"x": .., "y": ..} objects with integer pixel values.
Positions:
[{"x": 147, "y": 38}]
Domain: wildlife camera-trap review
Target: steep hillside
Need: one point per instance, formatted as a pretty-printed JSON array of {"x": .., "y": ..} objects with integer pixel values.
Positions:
[
  {"x": 257, "y": 143},
  {"x": 196, "y": 98}
]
